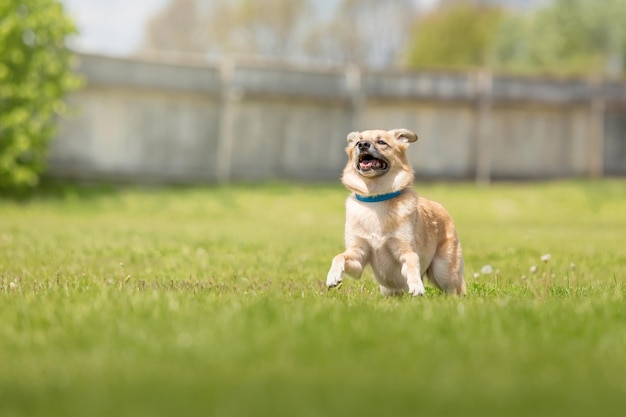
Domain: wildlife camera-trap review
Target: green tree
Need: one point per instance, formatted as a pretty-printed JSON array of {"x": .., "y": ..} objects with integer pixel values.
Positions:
[
  {"x": 566, "y": 37},
  {"x": 35, "y": 75},
  {"x": 457, "y": 35}
]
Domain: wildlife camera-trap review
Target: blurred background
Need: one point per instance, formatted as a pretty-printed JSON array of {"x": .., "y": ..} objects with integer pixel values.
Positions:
[
  {"x": 524, "y": 36},
  {"x": 220, "y": 90}
]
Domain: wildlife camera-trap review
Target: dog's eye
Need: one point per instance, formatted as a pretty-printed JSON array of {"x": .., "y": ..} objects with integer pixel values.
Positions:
[{"x": 381, "y": 142}]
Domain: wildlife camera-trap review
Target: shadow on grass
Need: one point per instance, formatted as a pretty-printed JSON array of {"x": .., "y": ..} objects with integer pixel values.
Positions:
[
  {"x": 61, "y": 190},
  {"x": 51, "y": 189}
]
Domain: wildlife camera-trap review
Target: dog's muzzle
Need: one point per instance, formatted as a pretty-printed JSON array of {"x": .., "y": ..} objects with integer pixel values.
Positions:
[{"x": 368, "y": 160}]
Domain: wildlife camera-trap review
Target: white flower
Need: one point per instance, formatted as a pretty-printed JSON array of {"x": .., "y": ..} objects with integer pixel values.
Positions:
[
  {"x": 476, "y": 275},
  {"x": 486, "y": 270},
  {"x": 533, "y": 269},
  {"x": 572, "y": 266},
  {"x": 12, "y": 285},
  {"x": 546, "y": 257}
]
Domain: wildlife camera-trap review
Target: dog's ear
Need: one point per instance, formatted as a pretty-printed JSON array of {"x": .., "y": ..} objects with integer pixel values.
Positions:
[
  {"x": 352, "y": 137},
  {"x": 404, "y": 135}
]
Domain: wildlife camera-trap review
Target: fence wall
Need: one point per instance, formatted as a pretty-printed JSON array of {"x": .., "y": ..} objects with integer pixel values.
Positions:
[{"x": 156, "y": 121}]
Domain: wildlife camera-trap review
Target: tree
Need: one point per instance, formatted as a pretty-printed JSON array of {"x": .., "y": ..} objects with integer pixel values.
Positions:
[
  {"x": 35, "y": 76},
  {"x": 176, "y": 28},
  {"x": 362, "y": 32},
  {"x": 456, "y": 35},
  {"x": 235, "y": 27},
  {"x": 568, "y": 37},
  {"x": 367, "y": 33},
  {"x": 564, "y": 37}
]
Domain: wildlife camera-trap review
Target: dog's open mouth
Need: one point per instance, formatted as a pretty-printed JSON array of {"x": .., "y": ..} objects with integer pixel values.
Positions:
[{"x": 368, "y": 162}]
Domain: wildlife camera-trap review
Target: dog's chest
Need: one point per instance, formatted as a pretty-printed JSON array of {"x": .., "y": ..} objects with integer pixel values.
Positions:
[{"x": 370, "y": 223}]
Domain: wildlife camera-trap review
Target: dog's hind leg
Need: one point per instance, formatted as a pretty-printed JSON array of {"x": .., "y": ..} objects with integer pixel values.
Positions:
[{"x": 446, "y": 269}]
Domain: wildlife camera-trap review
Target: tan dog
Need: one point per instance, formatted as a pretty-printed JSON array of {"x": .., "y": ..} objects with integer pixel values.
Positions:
[{"x": 404, "y": 237}]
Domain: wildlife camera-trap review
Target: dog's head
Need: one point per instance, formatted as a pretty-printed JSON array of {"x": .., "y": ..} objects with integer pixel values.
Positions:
[{"x": 377, "y": 161}]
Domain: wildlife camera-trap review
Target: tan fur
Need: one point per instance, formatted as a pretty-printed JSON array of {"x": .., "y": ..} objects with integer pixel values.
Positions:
[{"x": 404, "y": 238}]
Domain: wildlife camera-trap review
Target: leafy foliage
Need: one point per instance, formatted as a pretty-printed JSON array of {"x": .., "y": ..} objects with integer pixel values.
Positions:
[
  {"x": 567, "y": 37},
  {"x": 564, "y": 37},
  {"x": 35, "y": 75},
  {"x": 455, "y": 36}
]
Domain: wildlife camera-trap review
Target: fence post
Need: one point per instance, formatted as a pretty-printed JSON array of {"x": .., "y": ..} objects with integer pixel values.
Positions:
[
  {"x": 597, "y": 107},
  {"x": 484, "y": 129},
  {"x": 227, "y": 108},
  {"x": 357, "y": 96}
]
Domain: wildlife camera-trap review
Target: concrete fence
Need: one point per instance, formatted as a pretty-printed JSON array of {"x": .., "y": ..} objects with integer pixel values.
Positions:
[{"x": 162, "y": 122}]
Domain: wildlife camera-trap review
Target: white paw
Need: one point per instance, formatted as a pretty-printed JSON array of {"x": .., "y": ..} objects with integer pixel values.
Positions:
[
  {"x": 417, "y": 290},
  {"x": 333, "y": 280}
]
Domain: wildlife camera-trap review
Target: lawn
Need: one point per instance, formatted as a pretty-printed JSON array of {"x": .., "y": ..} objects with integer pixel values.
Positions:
[{"x": 211, "y": 301}]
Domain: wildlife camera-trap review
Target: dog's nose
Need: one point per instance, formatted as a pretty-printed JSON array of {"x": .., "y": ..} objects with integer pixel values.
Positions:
[{"x": 363, "y": 145}]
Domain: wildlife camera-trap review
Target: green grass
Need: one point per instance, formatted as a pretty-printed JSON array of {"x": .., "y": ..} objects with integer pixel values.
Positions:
[{"x": 211, "y": 301}]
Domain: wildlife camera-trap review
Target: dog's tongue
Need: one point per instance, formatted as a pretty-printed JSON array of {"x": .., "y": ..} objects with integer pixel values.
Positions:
[
  {"x": 368, "y": 163},
  {"x": 371, "y": 164}
]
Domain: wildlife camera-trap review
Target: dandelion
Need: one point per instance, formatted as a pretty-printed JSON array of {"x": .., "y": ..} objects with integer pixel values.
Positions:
[
  {"x": 12, "y": 285},
  {"x": 572, "y": 266},
  {"x": 546, "y": 258},
  {"x": 533, "y": 269},
  {"x": 476, "y": 275},
  {"x": 486, "y": 270}
]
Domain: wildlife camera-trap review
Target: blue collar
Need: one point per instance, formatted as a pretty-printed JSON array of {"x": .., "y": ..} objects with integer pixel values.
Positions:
[{"x": 377, "y": 198}]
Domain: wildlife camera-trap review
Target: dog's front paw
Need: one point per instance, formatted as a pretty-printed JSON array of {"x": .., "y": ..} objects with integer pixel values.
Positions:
[
  {"x": 417, "y": 290},
  {"x": 333, "y": 280}
]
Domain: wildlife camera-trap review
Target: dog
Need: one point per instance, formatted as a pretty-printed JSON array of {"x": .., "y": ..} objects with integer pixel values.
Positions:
[{"x": 403, "y": 236}]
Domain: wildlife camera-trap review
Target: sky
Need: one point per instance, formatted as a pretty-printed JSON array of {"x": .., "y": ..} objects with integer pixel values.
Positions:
[
  {"x": 111, "y": 27},
  {"x": 116, "y": 27}
]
